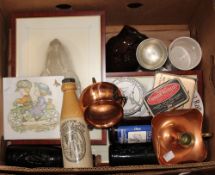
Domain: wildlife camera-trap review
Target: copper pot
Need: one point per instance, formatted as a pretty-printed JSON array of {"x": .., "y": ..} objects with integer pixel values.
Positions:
[
  {"x": 102, "y": 104},
  {"x": 177, "y": 136}
]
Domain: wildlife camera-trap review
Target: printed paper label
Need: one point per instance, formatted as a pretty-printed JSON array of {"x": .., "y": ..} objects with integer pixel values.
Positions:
[
  {"x": 73, "y": 140},
  {"x": 169, "y": 156},
  {"x": 137, "y": 137},
  {"x": 134, "y": 134}
]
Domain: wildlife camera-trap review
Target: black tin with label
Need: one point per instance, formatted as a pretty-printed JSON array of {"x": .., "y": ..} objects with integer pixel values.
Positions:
[{"x": 166, "y": 96}]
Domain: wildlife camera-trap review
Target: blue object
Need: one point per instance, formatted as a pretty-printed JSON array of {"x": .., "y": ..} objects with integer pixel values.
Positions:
[{"x": 134, "y": 134}]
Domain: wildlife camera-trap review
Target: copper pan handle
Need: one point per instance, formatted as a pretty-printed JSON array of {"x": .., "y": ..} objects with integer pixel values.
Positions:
[
  {"x": 207, "y": 135},
  {"x": 187, "y": 139},
  {"x": 94, "y": 80}
]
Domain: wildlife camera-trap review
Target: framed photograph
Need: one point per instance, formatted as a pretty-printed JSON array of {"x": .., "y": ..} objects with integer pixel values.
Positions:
[
  {"x": 59, "y": 43},
  {"x": 135, "y": 85},
  {"x": 33, "y": 110}
]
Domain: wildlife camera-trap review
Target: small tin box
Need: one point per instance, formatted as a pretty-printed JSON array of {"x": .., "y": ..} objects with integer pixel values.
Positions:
[
  {"x": 188, "y": 82},
  {"x": 166, "y": 96}
]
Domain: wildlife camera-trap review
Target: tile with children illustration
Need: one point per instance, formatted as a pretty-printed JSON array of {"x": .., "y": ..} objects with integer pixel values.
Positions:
[{"x": 32, "y": 107}]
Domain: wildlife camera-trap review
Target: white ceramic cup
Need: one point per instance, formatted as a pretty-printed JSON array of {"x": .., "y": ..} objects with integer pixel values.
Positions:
[{"x": 185, "y": 53}]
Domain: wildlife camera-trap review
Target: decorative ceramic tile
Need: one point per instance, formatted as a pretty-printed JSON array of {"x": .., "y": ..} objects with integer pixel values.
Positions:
[{"x": 32, "y": 107}]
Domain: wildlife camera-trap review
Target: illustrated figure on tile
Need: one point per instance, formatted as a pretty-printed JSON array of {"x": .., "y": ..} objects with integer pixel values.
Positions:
[
  {"x": 38, "y": 110},
  {"x": 25, "y": 101}
]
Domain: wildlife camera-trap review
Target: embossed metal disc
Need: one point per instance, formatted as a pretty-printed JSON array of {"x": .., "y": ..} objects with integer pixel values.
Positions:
[
  {"x": 197, "y": 102},
  {"x": 133, "y": 91}
]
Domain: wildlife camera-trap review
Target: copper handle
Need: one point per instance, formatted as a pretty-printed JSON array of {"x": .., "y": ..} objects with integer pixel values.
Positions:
[
  {"x": 187, "y": 139},
  {"x": 94, "y": 80},
  {"x": 207, "y": 135}
]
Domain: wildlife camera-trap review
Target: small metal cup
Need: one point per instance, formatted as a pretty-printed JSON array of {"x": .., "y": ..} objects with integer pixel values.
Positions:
[{"x": 151, "y": 53}]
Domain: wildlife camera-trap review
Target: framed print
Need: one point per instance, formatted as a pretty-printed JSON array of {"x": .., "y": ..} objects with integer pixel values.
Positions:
[
  {"x": 59, "y": 43},
  {"x": 33, "y": 110}
]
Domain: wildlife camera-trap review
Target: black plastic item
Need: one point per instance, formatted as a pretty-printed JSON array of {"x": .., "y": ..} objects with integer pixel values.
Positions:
[
  {"x": 132, "y": 154},
  {"x": 121, "y": 50},
  {"x": 34, "y": 156}
]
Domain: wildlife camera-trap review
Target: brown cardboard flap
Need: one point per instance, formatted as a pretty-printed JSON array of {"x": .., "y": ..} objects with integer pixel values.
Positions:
[{"x": 152, "y": 169}]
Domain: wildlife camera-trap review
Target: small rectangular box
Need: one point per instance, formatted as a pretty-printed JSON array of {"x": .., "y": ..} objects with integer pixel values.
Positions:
[{"x": 166, "y": 96}]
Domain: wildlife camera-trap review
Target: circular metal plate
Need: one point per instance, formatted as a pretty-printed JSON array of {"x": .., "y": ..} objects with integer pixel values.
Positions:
[
  {"x": 133, "y": 91},
  {"x": 197, "y": 102}
]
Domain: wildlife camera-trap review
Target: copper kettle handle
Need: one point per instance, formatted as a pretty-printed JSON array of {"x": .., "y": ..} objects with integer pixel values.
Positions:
[
  {"x": 94, "y": 80},
  {"x": 207, "y": 135}
]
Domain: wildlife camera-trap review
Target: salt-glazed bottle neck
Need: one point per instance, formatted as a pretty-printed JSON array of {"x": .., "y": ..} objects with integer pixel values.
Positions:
[{"x": 68, "y": 85}]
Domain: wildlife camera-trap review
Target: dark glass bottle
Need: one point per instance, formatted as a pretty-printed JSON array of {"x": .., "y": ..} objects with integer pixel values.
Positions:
[
  {"x": 131, "y": 131},
  {"x": 132, "y": 154},
  {"x": 121, "y": 50},
  {"x": 34, "y": 156}
]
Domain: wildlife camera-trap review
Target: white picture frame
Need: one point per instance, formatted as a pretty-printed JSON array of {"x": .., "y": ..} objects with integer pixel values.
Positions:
[{"x": 81, "y": 34}]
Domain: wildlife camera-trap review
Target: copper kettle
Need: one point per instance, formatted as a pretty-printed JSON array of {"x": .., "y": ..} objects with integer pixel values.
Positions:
[
  {"x": 102, "y": 103},
  {"x": 177, "y": 137}
]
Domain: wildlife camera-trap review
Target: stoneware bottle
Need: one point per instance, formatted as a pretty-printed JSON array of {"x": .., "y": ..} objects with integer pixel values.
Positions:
[{"x": 75, "y": 140}]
